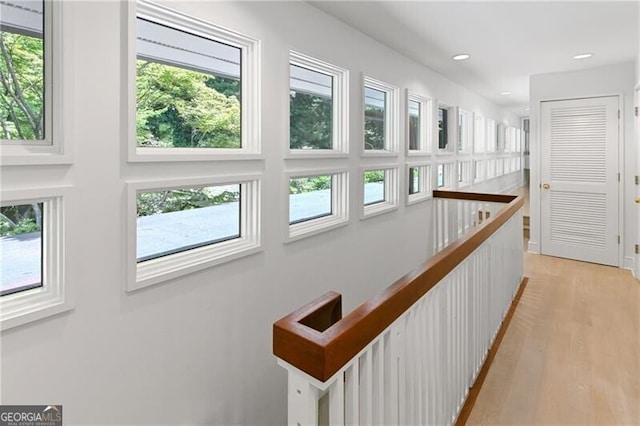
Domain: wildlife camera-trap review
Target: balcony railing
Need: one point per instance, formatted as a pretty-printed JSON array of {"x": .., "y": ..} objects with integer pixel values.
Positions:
[{"x": 410, "y": 354}]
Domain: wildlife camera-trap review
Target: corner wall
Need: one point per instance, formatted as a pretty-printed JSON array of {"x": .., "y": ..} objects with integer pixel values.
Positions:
[
  {"x": 609, "y": 80},
  {"x": 197, "y": 350}
]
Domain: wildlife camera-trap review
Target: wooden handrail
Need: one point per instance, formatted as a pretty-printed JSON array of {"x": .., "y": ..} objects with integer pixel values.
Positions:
[{"x": 316, "y": 340}]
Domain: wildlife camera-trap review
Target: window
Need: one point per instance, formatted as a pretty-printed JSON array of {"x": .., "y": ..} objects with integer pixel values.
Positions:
[
  {"x": 23, "y": 98},
  {"x": 317, "y": 203},
  {"x": 31, "y": 107},
  {"x": 464, "y": 130},
  {"x": 443, "y": 128},
  {"x": 441, "y": 176},
  {"x": 418, "y": 113},
  {"x": 419, "y": 182},
  {"x": 380, "y": 191},
  {"x": 492, "y": 141},
  {"x": 31, "y": 256},
  {"x": 479, "y": 132},
  {"x": 501, "y": 137},
  {"x": 478, "y": 171},
  {"x": 380, "y": 116},
  {"x": 446, "y": 177},
  {"x": 196, "y": 94},
  {"x": 21, "y": 247},
  {"x": 499, "y": 166},
  {"x": 177, "y": 220},
  {"x": 464, "y": 173},
  {"x": 491, "y": 168},
  {"x": 317, "y": 106},
  {"x": 177, "y": 228}
]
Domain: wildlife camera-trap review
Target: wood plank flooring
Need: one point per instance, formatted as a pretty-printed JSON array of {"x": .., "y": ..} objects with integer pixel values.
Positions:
[{"x": 571, "y": 354}]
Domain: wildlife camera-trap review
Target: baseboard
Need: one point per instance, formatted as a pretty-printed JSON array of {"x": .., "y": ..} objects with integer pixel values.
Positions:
[
  {"x": 463, "y": 416},
  {"x": 533, "y": 247},
  {"x": 630, "y": 264}
]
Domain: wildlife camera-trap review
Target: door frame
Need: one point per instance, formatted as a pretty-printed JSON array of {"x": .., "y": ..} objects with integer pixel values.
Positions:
[{"x": 621, "y": 138}]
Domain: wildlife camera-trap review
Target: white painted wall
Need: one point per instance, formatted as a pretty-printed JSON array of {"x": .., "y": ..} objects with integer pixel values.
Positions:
[
  {"x": 197, "y": 350},
  {"x": 608, "y": 80}
]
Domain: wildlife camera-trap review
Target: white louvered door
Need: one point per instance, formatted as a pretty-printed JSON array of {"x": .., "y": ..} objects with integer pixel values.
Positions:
[{"x": 579, "y": 177}]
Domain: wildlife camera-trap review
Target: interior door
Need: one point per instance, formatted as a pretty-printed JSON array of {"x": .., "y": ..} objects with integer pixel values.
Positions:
[{"x": 579, "y": 179}]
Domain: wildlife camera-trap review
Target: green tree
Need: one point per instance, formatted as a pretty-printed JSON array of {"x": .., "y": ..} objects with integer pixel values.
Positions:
[
  {"x": 373, "y": 127},
  {"x": 310, "y": 121},
  {"x": 177, "y": 107},
  {"x": 21, "y": 86}
]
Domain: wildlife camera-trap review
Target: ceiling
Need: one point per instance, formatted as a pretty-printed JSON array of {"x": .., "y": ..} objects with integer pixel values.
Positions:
[{"x": 508, "y": 40}]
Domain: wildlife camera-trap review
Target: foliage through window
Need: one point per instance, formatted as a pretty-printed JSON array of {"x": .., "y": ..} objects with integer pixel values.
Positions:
[
  {"x": 22, "y": 71},
  {"x": 21, "y": 247},
  {"x": 310, "y": 109},
  {"x": 188, "y": 90},
  {"x": 176, "y": 220},
  {"x": 414, "y": 180},
  {"x": 309, "y": 198},
  {"x": 375, "y": 104}
]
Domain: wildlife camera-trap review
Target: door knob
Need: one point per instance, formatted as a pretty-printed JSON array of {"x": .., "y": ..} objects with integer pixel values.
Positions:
[
  {"x": 638, "y": 200},
  {"x": 546, "y": 186}
]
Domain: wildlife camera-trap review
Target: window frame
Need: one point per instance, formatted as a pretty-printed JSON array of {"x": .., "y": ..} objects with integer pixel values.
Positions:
[
  {"x": 466, "y": 167},
  {"x": 250, "y": 75},
  {"x": 56, "y": 295},
  {"x": 151, "y": 272},
  {"x": 425, "y": 119},
  {"x": 426, "y": 190},
  {"x": 467, "y": 131},
  {"x": 479, "y": 170},
  {"x": 492, "y": 136},
  {"x": 58, "y": 93},
  {"x": 391, "y": 190},
  {"x": 340, "y": 100},
  {"x": 391, "y": 114},
  {"x": 451, "y": 127},
  {"x": 450, "y": 175},
  {"x": 339, "y": 205},
  {"x": 479, "y": 133}
]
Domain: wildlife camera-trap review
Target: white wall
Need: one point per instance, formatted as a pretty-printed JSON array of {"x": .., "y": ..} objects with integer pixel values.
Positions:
[
  {"x": 608, "y": 80},
  {"x": 198, "y": 349}
]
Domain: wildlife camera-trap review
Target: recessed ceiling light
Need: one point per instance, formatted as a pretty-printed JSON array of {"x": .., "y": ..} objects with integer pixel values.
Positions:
[
  {"x": 526, "y": 108},
  {"x": 461, "y": 57},
  {"x": 505, "y": 93},
  {"x": 583, "y": 56}
]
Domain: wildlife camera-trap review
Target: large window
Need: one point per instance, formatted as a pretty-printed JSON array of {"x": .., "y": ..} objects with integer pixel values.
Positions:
[
  {"x": 23, "y": 98},
  {"x": 380, "y": 116},
  {"x": 196, "y": 88},
  {"x": 188, "y": 90},
  {"x": 177, "y": 227},
  {"x": 318, "y": 94},
  {"x": 21, "y": 247}
]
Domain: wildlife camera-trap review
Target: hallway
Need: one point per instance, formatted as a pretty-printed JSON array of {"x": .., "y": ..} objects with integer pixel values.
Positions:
[{"x": 570, "y": 354}]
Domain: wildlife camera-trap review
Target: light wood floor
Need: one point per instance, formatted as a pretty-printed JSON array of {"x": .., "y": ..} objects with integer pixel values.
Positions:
[{"x": 571, "y": 354}]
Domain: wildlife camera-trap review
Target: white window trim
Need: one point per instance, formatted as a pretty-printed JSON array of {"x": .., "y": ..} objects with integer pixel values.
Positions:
[
  {"x": 479, "y": 130},
  {"x": 452, "y": 123},
  {"x": 250, "y": 72},
  {"x": 140, "y": 275},
  {"x": 56, "y": 295},
  {"x": 58, "y": 87},
  {"x": 392, "y": 118},
  {"x": 467, "y": 180},
  {"x": 391, "y": 190},
  {"x": 479, "y": 177},
  {"x": 450, "y": 175},
  {"x": 468, "y": 148},
  {"x": 340, "y": 99},
  {"x": 492, "y": 135},
  {"x": 426, "y": 190},
  {"x": 424, "y": 138},
  {"x": 339, "y": 205}
]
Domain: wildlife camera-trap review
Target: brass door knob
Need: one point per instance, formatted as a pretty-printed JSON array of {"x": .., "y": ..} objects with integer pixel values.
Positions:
[
  {"x": 546, "y": 186},
  {"x": 638, "y": 200}
]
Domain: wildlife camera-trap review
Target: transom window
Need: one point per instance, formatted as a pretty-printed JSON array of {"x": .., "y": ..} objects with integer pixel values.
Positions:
[
  {"x": 419, "y": 125},
  {"x": 441, "y": 176},
  {"x": 379, "y": 191},
  {"x": 177, "y": 220},
  {"x": 374, "y": 187},
  {"x": 309, "y": 198},
  {"x": 188, "y": 90},
  {"x": 23, "y": 98},
  {"x": 21, "y": 247},
  {"x": 418, "y": 182},
  {"x": 414, "y": 180}
]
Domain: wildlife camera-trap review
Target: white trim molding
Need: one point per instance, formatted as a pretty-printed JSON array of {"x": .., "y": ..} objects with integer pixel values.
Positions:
[
  {"x": 144, "y": 274},
  {"x": 426, "y": 190},
  {"x": 391, "y": 199},
  {"x": 55, "y": 295},
  {"x": 340, "y": 101},
  {"x": 250, "y": 72},
  {"x": 339, "y": 215}
]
